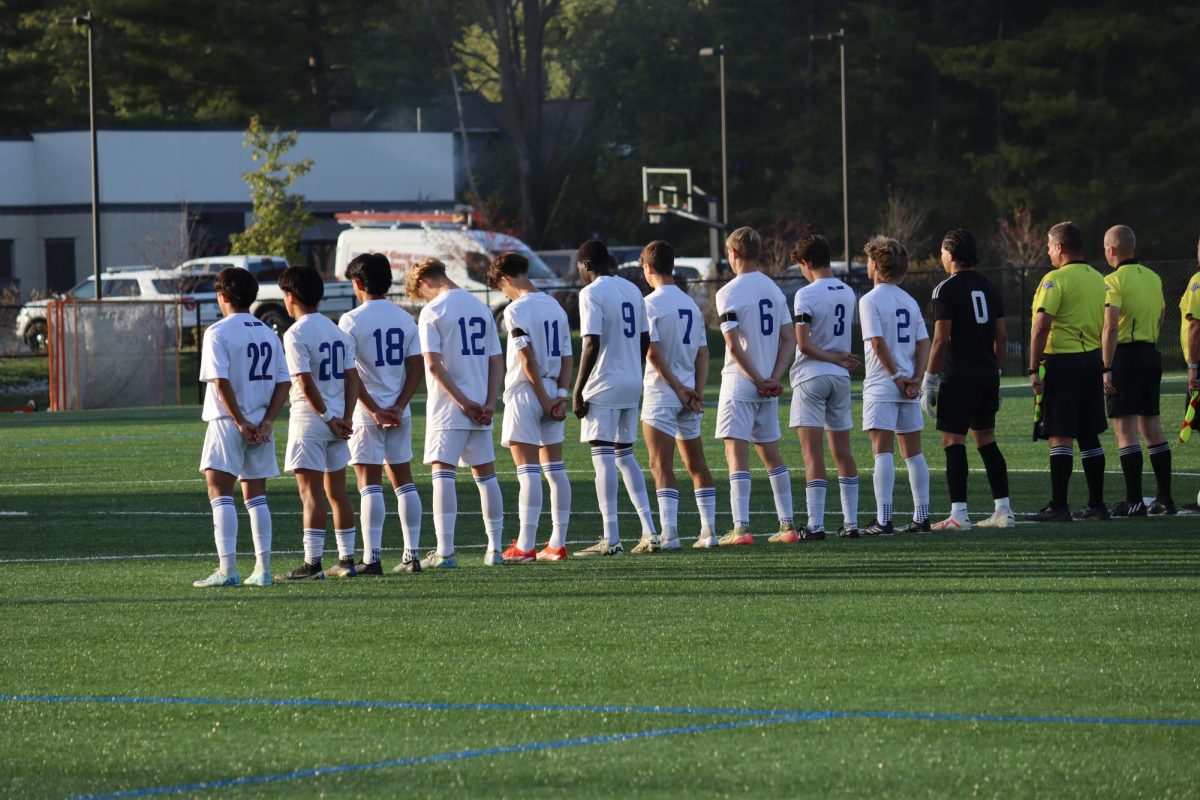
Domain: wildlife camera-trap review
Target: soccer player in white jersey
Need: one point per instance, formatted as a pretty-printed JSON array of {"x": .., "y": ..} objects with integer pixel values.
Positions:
[
  {"x": 673, "y": 398},
  {"x": 389, "y": 364},
  {"x": 535, "y": 405},
  {"x": 246, "y": 384},
  {"x": 320, "y": 359},
  {"x": 612, "y": 319},
  {"x": 823, "y": 312},
  {"x": 759, "y": 346},
  {"x": 464, "y": 368},
  {"x": 897, "y": 349}
]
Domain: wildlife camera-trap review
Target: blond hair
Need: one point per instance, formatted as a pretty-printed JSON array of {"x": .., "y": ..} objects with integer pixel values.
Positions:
[
  {"x": 890, "y": 257},
  {"x": 745, "y": 242},
  {"x": 425, "y": 268}
]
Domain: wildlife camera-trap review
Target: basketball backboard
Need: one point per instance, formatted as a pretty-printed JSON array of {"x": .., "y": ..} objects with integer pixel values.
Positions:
[{"x": 666, "y": 188}]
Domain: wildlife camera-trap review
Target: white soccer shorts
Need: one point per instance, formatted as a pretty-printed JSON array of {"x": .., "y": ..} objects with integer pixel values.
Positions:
[
  {"x": 887, "y": 415},
  {"x": 822, "y": 401},
  {"x": 605, "y": 424},
  {"x": 373, "y": 444},
  {"x": 316, "y": 449},
  {"x": 525, "y": 422},
  {"x": 677, "y": 421},
  {"x": 748, "y": 420},
  {"x": 225, "y": 450},
  {"x": 467, "y": 447}
]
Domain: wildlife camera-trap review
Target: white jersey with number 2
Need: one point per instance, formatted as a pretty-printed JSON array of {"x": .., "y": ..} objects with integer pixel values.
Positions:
[{"x": 889, "y": 312}]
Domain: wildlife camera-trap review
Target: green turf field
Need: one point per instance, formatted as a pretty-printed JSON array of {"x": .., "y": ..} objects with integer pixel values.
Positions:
[{"x": 1055, "y": 661}]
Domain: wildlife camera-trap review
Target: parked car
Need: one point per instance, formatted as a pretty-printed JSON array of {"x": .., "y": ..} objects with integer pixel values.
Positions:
[{"x": 124, "y": 284}]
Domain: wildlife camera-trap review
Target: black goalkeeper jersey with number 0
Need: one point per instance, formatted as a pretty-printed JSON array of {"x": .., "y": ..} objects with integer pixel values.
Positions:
[{"x": 972, "y": 305}]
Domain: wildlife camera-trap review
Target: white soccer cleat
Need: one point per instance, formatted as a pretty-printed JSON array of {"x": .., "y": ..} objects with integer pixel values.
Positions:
[
  {"x": 952, "y": 523},
  {"x": 671, "y": 544},
  {"x": 648, "y": 544},
  {"x": 600, "y": 548},
  {"x": 493, "y": 558},
  {"x": 706, "y": 542},
  {"x": 259, "y": 579},
  {"x": 435, "y": 561},
  {"x": 218, "y": 578},
  {"x": 1000, "y": 519}
]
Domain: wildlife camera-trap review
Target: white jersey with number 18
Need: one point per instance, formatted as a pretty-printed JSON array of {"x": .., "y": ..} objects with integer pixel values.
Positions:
[
  {"x": 756, "y": 310},
  {"x": 384, "y": 336},
  {"x": 677, "y": 328}
]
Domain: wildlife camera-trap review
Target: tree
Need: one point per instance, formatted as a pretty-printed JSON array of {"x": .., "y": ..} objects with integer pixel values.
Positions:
[{"x": 279, "y": 217}]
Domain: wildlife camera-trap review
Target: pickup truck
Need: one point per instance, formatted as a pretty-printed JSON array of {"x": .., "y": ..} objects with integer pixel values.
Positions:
[{"x": 339, "y": 295}]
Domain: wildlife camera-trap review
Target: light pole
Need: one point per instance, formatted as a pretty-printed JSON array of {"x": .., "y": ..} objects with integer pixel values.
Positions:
[
  {"x": 840, "y": 37},
  {"x": 719, "y": 51},
  {"x": 87, "y": 21}
]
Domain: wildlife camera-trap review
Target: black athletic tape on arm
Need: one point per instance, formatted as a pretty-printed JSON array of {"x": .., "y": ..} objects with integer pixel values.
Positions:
[
  {"x": 729, "y": 316},
  {"x": 519, "y": 332},
  {"x": 802, "y": 319}
]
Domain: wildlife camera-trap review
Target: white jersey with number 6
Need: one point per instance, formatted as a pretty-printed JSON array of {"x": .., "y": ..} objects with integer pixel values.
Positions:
[
  {"x": 460, "y": 327},
  {"x": 611, "y": 307},
  {"x": 384, "y": 336},
  {"x": 316, "y": 346},
  {"x": 677, "y": 327},
  {"x": 756, "y": 310},
  {"x": 536, "y": 320},
  {"x": 249, "y": 355},
  {"x": 889, "y": 312},
  {"x": 826, "y": 307}
]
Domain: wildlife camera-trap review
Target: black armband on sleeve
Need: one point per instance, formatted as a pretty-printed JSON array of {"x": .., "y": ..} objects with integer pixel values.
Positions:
[
  {"x": 729, "y": 316},
  {"x": 519, "y": 332},
  {"x": 802, "y": 319}
]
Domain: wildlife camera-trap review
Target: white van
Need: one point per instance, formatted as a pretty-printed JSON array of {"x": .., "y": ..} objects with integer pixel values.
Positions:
[{"x": 407, "y": 238}]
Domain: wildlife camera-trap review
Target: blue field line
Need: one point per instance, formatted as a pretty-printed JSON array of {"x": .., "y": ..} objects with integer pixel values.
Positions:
[
  {"x": 457, "y": 755},
  {"x": 757, "y": 713}
]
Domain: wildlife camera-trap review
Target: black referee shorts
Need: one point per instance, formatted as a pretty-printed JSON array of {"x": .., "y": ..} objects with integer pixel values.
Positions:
[
  {"x": 1137, "y": 377},
  {"x": 968, "y": 401},
  {"x": 1073, "y": 397}
]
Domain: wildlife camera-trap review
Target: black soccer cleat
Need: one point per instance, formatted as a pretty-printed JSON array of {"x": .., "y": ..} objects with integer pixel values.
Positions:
[
  {"x": 848, "y": 532},
  {"x": 917, "y": 527},
  {"x": 1191, "y": 508},
  {"x": 363, "y": 568},
  {"x": 1128, "y": 509},
  {"x": 1160, "y": 506},
  {"x": 1050, "y": 514},
  {"x": 877, "y": 528},
  {"x": 1094, "y": 513},
  {"x": 305, "y": 571},
  {"x": 814, "y": 534}
]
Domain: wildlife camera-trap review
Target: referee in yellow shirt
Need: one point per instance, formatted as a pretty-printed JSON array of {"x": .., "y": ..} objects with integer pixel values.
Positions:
[
  {"x": 1133, "y": 314},
  {"x": 1068, "y": 313},
  {"x": 1189, "y": 338}
]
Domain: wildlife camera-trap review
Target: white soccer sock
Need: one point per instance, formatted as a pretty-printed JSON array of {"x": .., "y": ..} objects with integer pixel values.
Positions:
[
  {"x": 492, "y": 504},
  {"x": 445, "y": 510},
  {"x": 635, "y": 485},
  {"x": 529, "y": 501},
  {"x": 781, "y": 487},
  {"x": 814, "y": 498},
  {"x": 848, "y": 489},
  {"x": 408, "y": 506},
  {"x": 958, "y": 510},
  {"x": 739, "y": 498},
  {"x": 605, "y": 464},
  {"x": 706, "y": 504},
  {"x": 560, "y": 501},
  {"x": 668, "y": 513},
  {"x": 260, "y": 531},
  {"x": 371, "y": 514},
  {"x": 345, "y": 542},
  {"x": 314, "y": 545},
  {"x": 1002, "y": 504},
  {"x": 884, "y": 480},
  {"x": 918, "y": 482},
  {"x": 225, "y": 530}
]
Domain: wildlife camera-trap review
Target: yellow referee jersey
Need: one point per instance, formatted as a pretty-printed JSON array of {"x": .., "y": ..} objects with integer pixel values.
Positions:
[
  {"x": 1189, "y": 306},
  {"x": 1074, "y": 295},
  {"x": 1137, "y": 291}
]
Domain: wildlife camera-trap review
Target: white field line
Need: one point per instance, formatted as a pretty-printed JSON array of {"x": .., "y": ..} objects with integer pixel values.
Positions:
[{"x": 14, "y": 513}]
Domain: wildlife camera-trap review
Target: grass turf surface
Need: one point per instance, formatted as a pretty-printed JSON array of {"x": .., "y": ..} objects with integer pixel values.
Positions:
[{"x": 1079, "y": 620}]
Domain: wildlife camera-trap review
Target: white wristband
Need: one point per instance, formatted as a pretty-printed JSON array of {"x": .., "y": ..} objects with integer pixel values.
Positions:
[
  {"x": 328, "y": 415},
  {"x": 562, "y": 393}
]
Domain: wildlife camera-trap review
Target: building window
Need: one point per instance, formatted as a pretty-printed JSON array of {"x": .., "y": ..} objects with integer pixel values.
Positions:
[
  {"x": 210, "y": 232},
  {"x": 6, "y": 262},
  {"x": 60, "y": 264}
]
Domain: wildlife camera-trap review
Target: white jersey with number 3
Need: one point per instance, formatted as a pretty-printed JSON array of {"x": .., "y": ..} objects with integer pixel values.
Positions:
[
  {"x": 752, "y": 306},
  {"x": 460, "y": 327},
  {"x": 889, "y": 312},
  {"x": 317, "y": 346},
  {"x": 384, "y": 336},
  {"x": 677, "y": 327},
  {"x": 536, "y": 320},
  {"x": 611, "y": 307},
  {"x": 248, "y": 354},
  {"x": 826, "y": 308}
]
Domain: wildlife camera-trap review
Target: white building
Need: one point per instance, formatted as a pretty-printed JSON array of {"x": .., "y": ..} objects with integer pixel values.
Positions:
[{"x": 166, "y": 195}]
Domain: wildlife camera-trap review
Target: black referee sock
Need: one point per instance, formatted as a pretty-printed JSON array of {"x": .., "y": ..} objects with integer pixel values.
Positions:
[
  {"x": 1160, "y": 462},
  {"x": 997, "y": 469},
  {"x": 956, "y": 472},
  {"x": 1062, "y": 461},
  {"x": 1092, "y": 456},
  {"x": 1131, "y": 466}
]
